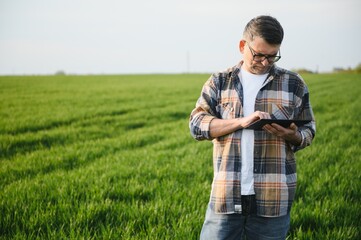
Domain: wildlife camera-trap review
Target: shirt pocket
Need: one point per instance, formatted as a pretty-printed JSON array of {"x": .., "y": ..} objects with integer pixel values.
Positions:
[
  {"x": 280, "y": 111},
  {"x": 229, "y": 110}
]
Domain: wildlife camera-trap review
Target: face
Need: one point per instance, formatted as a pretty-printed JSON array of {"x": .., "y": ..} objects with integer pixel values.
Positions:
[{"x": 258, "y": 47}]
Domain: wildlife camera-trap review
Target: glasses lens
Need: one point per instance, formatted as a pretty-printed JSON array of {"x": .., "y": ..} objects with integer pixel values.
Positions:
[
  {"x": 273, "y": 58},
  {"x": 270, "y": 59},
  {"x": 259, "y": 58}
]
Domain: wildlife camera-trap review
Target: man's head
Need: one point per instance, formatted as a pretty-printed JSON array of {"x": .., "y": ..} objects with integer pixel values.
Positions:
[{"x": 262, "y": 38}]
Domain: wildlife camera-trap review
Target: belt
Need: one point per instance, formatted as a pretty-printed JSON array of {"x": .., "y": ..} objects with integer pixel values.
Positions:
[{"x": 248, "y": 205}]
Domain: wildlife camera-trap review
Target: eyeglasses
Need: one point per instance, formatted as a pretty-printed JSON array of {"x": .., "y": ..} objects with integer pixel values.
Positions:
[{"x": 258, "y": 57}]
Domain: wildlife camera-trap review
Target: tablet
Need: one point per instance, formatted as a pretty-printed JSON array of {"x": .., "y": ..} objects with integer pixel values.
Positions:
[{"x": 257, "y": 125}]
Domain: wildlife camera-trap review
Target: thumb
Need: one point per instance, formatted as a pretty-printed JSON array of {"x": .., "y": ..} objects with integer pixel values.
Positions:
[{"x": 293, "y": 126}]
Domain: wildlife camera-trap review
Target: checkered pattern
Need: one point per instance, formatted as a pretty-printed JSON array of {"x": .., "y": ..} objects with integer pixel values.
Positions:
[{"x": 285, "y": 96}]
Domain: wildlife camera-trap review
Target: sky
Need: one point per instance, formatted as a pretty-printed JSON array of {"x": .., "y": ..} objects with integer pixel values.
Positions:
[{"x": 169, "y": 36}]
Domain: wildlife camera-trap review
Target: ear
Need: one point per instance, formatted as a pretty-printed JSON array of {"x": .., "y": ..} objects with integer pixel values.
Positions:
[{"x": 242, "y": 44}]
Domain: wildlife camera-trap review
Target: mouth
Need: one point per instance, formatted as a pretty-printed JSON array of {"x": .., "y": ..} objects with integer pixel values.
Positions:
[{"x": 261, "y": 69}]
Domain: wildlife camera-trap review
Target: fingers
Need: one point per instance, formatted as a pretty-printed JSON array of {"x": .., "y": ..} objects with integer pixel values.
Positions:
[
  {"x": 280, "y": 131},
  {"x": 273, "y": 129},
  {"x": 262, "y": 115},
  {"x": 254, "y": 117}
]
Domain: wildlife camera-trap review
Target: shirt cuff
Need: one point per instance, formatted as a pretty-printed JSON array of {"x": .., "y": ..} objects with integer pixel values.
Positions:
[{"x": 205, "y": 125}]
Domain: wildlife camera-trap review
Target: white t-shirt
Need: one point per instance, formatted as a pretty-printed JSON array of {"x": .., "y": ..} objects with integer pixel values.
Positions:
[{"x": 251, "y": 84}]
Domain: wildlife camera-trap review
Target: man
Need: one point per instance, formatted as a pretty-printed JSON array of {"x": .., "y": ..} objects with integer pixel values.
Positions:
[{"x": 254, "y": 170}]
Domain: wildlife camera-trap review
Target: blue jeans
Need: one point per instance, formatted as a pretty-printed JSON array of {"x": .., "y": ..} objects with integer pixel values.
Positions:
[{"x": 237, "y": 226}]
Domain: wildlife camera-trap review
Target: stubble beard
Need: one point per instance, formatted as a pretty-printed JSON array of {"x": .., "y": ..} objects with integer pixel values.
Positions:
[{"x": 259, "y": 70}]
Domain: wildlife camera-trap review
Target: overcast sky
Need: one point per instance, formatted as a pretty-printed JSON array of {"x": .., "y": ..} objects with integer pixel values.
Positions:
[{"x": 169, "y": 36}]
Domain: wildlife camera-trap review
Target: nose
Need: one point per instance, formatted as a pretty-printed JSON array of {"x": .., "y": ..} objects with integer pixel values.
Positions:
[{"x": 265, "y": 62}]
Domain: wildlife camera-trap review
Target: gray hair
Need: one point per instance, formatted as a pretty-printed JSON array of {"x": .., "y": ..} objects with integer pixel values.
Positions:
[{"x": 265, "y": 27}]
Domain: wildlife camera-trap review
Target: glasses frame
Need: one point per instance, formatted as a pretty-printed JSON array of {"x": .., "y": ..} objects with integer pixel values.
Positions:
[{"x": 263, "y": 56}]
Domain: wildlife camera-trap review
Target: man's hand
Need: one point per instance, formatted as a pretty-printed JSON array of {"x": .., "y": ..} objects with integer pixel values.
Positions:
[
  {"x": 254, "y": 117},
  {"x": 290, "y": 134}
]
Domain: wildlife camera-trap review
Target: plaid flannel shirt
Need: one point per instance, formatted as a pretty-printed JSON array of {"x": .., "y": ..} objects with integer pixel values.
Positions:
[{"x": 285, "y": 96}]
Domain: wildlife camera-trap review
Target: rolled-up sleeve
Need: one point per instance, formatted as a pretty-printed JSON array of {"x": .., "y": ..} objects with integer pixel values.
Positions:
[
  {"x": 205, "y": 111},
  {"x": 308, "y": 133},
  {"x": 199, "y": 125}
]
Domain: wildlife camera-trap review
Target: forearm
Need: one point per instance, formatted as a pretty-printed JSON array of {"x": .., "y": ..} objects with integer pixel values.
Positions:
[{"x": 221, "y": 127}]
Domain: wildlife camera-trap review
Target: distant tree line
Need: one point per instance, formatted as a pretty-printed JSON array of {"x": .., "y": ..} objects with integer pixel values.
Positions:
[
  {"x": 357, "y": 69},
  {"x": 303, "y": 71},
  {"x": 60, "y": 73}
]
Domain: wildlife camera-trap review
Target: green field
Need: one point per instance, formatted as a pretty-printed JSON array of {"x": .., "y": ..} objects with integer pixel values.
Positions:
[{"x": 111, "y": 157}]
